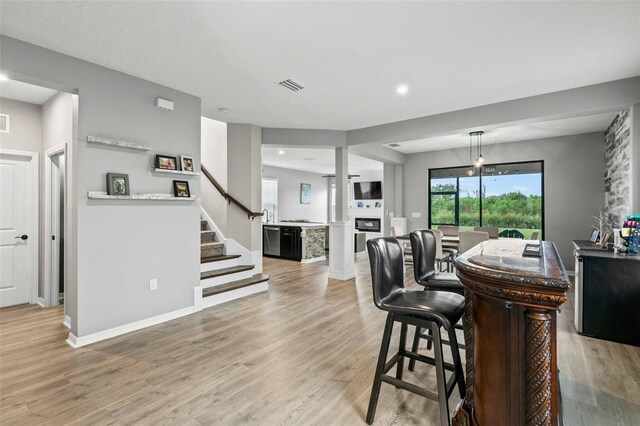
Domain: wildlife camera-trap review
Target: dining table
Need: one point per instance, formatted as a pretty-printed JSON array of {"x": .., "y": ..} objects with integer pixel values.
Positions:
[{"x": 448, "y": 241}]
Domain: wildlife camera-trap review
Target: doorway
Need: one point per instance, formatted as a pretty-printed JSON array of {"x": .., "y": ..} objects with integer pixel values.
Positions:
[
  {"x": 55, "y": 235},
  {"x": 18, "y": 227}
]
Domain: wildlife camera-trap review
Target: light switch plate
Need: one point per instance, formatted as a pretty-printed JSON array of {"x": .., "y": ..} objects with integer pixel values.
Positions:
[
  {"x": 416, "y": 214},
  {"x": 153, "y": 284}
]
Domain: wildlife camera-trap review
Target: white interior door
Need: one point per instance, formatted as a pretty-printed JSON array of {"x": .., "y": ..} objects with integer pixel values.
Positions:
[{"x": 17, "y": 236}]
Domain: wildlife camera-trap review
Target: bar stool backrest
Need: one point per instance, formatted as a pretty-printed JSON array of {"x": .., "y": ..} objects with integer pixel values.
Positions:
[
  {"x": 387, "y": 269},
  {"x": 468, "y": 240},
  {"x": 493, "y": 232},
  {"x": 438, "y": 234},
  {"x": 450, "y": 231},
  {"x": 423, "y": 246}
]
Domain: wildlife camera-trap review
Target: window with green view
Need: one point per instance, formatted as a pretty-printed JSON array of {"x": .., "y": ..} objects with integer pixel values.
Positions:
[{"x": 505, "y": 196}]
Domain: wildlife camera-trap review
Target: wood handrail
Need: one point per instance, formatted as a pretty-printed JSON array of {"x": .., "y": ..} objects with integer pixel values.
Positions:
[{"x": 251, "y": 215}]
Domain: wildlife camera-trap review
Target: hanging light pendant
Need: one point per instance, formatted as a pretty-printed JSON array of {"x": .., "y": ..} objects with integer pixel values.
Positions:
[
  {"x": 479, "y": 159},
  {"x": 471, "y": 170}
]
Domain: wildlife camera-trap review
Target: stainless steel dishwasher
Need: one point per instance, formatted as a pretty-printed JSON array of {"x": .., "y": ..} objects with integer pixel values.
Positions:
[{"x": 271, "y": 240}]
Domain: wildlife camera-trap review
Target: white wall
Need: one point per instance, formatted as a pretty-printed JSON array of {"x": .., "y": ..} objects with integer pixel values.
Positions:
[
  {"x": 214, "y": 159},
  {"x": 573, "y": 182},
  {"x": 289, "y": 206},
  {"x": 25, "y": 126},
  {"x": 122, "y": 244}
]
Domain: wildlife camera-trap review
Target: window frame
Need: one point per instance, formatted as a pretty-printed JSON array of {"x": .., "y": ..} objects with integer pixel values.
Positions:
[{"x": 457, "y": 205}]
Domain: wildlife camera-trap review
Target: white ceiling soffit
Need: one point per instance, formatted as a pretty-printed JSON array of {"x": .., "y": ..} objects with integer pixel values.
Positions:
[
  {"x": 548, "y": 129},
  {"x": 350, "y": 56},
  {"x": 24, "y": 92},
  {"x": 315, "y": 160}
]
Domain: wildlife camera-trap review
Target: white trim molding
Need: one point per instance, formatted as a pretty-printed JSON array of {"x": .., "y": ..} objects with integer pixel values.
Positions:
[
  {"x": 67, "y": 321},
  {"x": 77, "y": 342}
]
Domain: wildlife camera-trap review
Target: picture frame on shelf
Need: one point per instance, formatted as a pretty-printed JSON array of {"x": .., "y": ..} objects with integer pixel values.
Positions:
[
  {"x": 187, "y": 164},
  {"x": 595, "y": 234},
  {"x": 166, "y": 162},
  {"x": 305, "y": 193},
  {"x": 118, "y": 184},
  {"x": 360, "y": 204},
  {"x": 181, "y": 189}
]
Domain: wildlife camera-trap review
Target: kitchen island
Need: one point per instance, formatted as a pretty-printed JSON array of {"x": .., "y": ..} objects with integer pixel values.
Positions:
[{"x": 302, "y": 241}]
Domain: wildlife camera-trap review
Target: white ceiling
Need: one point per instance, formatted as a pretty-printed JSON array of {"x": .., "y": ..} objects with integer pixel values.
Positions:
[
  {"x": 316, "y": 160},
  {"x": 350, "y": 56},
  {"x": 547, "y": 129},
  {"x": 19, "y": 91}
]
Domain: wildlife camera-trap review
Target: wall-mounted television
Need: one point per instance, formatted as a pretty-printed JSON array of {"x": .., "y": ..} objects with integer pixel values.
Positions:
[{"x": 367, "y": 190}]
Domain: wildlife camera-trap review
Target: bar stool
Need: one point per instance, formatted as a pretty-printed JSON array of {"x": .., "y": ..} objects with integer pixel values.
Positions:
[
  {"x": 427, "y": 309},
  {"x": 423, "y": 246}
]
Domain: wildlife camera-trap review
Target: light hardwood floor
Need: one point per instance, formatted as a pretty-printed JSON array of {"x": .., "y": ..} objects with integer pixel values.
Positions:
[{"x": 303, "y": 353}]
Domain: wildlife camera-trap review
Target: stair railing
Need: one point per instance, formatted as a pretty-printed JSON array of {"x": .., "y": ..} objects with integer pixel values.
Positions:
[{"x": 251, "y": 215}]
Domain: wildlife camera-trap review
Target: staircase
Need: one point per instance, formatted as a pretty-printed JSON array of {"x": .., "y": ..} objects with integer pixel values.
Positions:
[{"x": 224, "y": 277}]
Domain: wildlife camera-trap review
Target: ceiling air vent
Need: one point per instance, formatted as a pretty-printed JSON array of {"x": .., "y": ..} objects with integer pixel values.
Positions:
[
  {"x": 291, "y": 85},
  {"x": 395, "y": 145}
]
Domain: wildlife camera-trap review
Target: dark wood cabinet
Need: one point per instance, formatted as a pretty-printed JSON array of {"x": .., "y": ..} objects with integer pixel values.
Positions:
[
  {"x": 510, "y": 334},
  {"x": 291, "y": 243}
]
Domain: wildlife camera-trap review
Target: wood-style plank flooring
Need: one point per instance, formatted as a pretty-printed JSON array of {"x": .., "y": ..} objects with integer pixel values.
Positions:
[{"x": 302, "y": 353}]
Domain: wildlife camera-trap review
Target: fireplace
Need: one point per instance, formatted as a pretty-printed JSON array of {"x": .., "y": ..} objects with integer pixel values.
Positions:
[{"x": 367, "y": 224}]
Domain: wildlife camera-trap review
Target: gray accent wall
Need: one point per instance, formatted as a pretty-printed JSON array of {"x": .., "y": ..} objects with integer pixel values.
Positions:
[
  {"x": 120, "y": 245},
  {"x": 289, "y": 206},
  {"x": 573, "y": 182}
]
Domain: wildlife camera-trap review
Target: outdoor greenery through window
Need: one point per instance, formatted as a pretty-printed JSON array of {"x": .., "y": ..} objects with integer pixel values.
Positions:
[{"x": 506, "y": 196}]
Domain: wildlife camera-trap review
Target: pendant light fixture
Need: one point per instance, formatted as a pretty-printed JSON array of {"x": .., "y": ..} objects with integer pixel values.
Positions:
[
  {"x": 471, "y": 170},
  {"x": 479, "y": 159}
]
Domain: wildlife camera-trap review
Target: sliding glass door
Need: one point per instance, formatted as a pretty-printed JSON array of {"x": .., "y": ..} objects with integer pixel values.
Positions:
[{"x": 506, "y": 196}]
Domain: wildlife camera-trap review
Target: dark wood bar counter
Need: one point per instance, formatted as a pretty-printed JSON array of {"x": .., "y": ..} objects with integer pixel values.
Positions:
[{"x": 510, "y": 334}]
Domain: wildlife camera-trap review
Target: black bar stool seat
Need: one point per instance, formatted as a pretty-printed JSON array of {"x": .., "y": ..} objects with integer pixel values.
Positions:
[
  {"x": 432, "y": 310},
  {"x": 438, "y": 306}
]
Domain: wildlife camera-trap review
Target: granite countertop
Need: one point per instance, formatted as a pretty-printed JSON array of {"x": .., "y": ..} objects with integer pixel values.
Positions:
[{"x": 298, "y": 224}]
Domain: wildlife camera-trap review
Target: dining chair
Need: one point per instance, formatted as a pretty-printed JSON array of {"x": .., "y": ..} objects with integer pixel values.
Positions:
[
  {"x": 493, "y": 232},
  {"x": 535, "y": 235},
  {"x": 397, "y": 231},
  {"x": 442, "y": 255},
  {"x": 511, "y": 233},
  {"x": 450, "y": 231},
  {"x": 470, "y": 239}
]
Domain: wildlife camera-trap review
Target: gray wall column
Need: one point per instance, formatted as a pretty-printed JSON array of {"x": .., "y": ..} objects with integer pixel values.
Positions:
[{"x": 342, "y": 181}]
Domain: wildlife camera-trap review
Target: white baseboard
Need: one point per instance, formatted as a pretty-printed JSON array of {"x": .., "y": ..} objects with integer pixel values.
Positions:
[
  {"x": 67, "y": 321},
  {"x": 314, "y": 259},
  {"x": 342, "y": 277},
  {"x": 41, "y": 302},
  {"x": 76, "y": 342}
]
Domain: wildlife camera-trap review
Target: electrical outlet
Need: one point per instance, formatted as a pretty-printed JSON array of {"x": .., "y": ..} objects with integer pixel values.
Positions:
[{"x": 153, "y": 284}]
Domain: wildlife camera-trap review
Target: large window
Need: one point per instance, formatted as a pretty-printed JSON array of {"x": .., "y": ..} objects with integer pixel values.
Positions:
[{"x": 506, "y": 196}]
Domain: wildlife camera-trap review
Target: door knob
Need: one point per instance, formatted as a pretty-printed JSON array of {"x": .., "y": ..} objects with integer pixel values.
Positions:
[{"x": 22, "y": 237}]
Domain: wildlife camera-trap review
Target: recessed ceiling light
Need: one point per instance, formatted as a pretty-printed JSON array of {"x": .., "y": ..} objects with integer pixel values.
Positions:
[
  {"x": 3, "y": 77},
  {"x": 395, "y": 145},
  {"x": 281, "y": 152},
  {"x": 309, "y": 159},
  {"x": 224, "y": 110},
  {"x": 402, "y": 89}
]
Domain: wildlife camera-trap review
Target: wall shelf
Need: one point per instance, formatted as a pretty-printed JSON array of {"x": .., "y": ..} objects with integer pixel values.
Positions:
[
  {"x": 99, "y": 195},
  {"x": 120, "y": 144},
  {"x": 175, "y": 172}
]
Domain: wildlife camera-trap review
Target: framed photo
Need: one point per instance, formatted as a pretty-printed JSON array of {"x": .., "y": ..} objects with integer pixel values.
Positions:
[
  {"x": 187, "y": 164},
  {"x": 605, "y": 239},
  {"x": 594, "y": 235},
  {"x": 117, "y": 184},
  {"x": 181, "y": 189},
  {"x": 166, "y": 162},
  {"x": 305, "y": 193},
  {"x": 5, "y": 123}
]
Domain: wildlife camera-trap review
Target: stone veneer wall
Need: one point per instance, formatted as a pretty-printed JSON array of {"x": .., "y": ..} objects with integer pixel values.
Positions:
[
  {"x": 617, "y": 170},
  {"x": 314, "y": 243}
]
